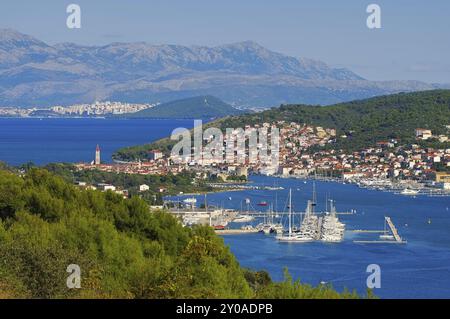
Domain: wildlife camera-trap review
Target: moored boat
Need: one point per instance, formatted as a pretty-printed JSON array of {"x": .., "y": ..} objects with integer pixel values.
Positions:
[{"x": 409, "y": 192}]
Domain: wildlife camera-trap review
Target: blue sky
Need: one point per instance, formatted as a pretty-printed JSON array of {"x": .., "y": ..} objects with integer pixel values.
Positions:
[{"x": 414, "y": 42}]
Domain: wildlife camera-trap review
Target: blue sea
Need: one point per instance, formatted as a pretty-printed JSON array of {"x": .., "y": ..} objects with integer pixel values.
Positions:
[
  {"x": 419, "y": 269},
  {"x": 74, "y": 140}
]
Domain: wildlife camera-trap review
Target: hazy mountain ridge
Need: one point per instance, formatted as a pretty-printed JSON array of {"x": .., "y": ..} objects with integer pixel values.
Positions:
[{"x": 33, "y": 73}]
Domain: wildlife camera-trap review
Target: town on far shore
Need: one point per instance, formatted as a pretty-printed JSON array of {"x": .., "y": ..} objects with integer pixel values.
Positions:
[
  {"x": 96, "y": 109},
  {"x": 390, "y": 165}
]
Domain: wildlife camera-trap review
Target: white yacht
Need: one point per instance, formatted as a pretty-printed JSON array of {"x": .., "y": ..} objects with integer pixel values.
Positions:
[
  {"x": 243, "y": 219},
  {"x": 332, "y": 229},
  {"x": 306, "y": 233},
  {"x": 277, "y": 228},
  {"x": 190, "y": 201},
  {"x": 409, "y": 192},
  {"x": 313, "y": 227}
]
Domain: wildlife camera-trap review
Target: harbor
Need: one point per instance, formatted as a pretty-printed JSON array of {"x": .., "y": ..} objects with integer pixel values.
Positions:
[
  {"x": 287, "y": 225},
  {"x": 399, "y": 187},
  {"x": 421, "y": 221}
]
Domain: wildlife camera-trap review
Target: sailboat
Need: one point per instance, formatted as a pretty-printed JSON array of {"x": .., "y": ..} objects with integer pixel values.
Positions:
[
  {"x": 243, "y": 219},
  {"x": 269, "y": 226},
  {"x": 291, "y": 236},
  {"x": 332, "y": 229}
]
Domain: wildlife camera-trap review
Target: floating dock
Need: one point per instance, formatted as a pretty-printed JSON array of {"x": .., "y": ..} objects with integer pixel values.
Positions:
[
  {"x": 393, "y": 229},
  {"x": 368, "y": 231},
  {"x": 379, "y": 242},
  {"x": 396, "y": 239}
]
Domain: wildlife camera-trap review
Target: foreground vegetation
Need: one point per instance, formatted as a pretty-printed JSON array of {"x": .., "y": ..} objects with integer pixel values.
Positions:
[
  {"x": 159, "y": 185},
  {"x": 123, "y": 249}
]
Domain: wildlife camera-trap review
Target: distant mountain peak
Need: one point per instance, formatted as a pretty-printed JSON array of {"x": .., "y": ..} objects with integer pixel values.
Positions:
[
  {"x": 247, "y": 44},
  {"x": 242, "y": 74},
  {"x": 8, "y": 35}
]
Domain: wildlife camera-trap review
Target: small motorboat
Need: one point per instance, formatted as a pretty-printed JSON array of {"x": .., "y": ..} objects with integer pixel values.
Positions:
[
  {"x": 409, "y": 192},
  {"x": 263, "y": 203}
]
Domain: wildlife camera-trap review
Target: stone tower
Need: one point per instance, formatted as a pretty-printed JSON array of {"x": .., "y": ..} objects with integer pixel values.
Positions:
[{"x": 97, "y": 155}]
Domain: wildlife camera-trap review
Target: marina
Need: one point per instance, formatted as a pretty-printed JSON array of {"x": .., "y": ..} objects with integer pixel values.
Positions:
[
  {"x": 400, "y": 187},
  {"x": 291, "y": 226},
  {"x": 312, "y": 226},
  {"x": 412, "y": 270},
  {"x": 324, "y": 226}
]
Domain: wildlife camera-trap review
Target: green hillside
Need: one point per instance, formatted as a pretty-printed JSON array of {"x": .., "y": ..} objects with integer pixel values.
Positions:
[
  {"x": 123, "y": 249},
  {"x": 368, "y": 121},
  {"x": 364, "y": 122},
  {"x": 200, "y": 107}
]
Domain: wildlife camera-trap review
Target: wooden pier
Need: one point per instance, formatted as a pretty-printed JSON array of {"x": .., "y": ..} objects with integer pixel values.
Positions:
[
  {"x": 393, "y": 229},
  {"x": 379, "y": 242}
]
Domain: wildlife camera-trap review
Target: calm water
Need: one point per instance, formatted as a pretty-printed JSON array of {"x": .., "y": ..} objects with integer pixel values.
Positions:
[
  {"x": 419, "y": 269},
  {"x": 74, "y": 140}
]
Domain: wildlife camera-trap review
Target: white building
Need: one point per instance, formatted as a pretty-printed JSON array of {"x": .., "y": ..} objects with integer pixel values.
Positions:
[
  {"x": 155, "y": 155},
  {"x": 423, "y": 133},
  {"x": 106, "y": 187}
]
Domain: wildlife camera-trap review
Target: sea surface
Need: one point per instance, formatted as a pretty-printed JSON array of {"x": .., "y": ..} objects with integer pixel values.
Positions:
[
  {"x": 419, "y": 269},
  {"x": 74, "y": 140}
]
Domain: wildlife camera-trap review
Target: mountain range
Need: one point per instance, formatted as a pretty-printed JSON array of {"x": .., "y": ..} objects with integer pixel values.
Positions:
[{"x": 245, "y": 74}]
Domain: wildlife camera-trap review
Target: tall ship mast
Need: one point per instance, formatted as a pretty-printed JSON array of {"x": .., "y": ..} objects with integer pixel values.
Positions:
[{"x": 324, "y": 227}]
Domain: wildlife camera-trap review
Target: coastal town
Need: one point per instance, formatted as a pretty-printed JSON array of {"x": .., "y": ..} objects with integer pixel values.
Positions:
[
  {"x": 388, "y": 164},
  {"x": 96, "y": 109}
]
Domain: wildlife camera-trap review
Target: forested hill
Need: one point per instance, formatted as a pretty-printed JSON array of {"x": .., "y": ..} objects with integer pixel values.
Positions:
[
  {"x": 123, "y": 249},
  {"x": 368, "y": 121},
  {"x": 199, "y": 107},
  {"x": 364, "y": 122}
]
